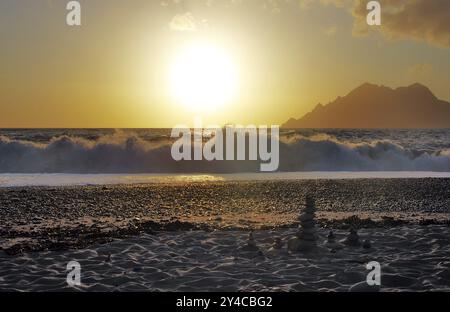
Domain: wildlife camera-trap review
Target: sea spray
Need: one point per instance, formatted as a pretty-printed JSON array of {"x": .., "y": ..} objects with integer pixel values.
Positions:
[{"x": 149, "y": 151}]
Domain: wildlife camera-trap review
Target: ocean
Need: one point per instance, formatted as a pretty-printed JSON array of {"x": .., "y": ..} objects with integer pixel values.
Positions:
[{"x": 118, "y": 154}]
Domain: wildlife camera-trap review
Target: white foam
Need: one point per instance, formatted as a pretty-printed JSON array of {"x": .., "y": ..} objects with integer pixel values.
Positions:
[
  {"x": 21, "y": 180},
  {"x": 126, "y": 153}
]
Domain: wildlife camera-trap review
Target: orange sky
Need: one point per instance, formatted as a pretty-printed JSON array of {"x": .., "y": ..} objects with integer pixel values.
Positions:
[{"x": 112, "y": 71}]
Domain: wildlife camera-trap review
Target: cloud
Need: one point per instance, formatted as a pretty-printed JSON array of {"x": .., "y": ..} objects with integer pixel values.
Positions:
[
  {"x": 184, "y": 22},
  {"x": 424, "y": 20}
]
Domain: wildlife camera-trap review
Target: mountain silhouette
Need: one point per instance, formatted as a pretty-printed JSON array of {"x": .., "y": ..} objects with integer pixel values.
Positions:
[{"x": 372, "y": 106}]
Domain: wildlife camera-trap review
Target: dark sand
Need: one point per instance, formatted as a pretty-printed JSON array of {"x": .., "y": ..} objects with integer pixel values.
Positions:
[
  {"x": 412, "y": 258},
  {"x": 186, "y": 236}
]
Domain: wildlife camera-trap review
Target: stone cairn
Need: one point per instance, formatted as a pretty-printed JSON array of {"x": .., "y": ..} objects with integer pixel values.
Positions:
[
  {"x": 305, "y": 239},
  {"x": 367, "y": 244},
  {"x": 277, "y": 244},
  {"x": 251, "y": 244},
  {"x": 331, "y": 242},
  {"x": 331, "y": 239},
  {"x": 276, "y": 248},
  {"x": 352, "y": 239}
]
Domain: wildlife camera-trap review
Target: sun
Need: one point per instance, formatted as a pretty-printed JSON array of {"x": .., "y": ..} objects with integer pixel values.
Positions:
[{"x": 203, "y": 77}]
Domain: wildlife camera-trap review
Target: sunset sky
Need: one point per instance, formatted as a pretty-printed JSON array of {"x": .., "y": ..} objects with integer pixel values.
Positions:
[{"x": 286, "y": 56}]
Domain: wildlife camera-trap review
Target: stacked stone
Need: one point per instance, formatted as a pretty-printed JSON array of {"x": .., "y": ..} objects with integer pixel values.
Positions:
[
  {"x": 331, "y": 239},
  {"x": 352, "y": 239},
  {"x": 307, "y": 230},
  {"x": 367, "y": 244},
  {"x": 251, "y": 244},
  {"x": 332, "y": 243},
  {"x": 305, "y": 239},
  {"x": 276, "y": 248}
]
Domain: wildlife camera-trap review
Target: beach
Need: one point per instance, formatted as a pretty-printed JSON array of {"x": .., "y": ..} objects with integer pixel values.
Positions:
[
  {"x": 188, "y": 236},
  {"x": 225, "y": 146},
  {"x": 411, "y": 257}
]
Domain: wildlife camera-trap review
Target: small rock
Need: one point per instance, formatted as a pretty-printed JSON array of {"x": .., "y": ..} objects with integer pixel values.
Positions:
[
  {"x": 251, "y": 244},
  {"x": 352, "y": 239}
]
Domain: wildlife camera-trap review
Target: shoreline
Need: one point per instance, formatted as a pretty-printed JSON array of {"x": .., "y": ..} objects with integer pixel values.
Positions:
[{"x": 8, "y": 180}]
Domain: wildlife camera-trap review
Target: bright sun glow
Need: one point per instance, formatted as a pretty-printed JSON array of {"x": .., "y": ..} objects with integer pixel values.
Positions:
[{"x": 203, "y": 77}]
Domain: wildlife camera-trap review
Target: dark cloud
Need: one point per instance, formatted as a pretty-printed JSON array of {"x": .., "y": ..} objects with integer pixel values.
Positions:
[{"x": 425, "y": 20}]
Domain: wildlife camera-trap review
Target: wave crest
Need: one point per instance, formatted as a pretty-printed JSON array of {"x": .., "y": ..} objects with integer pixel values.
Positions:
[{"x": 129, "y": 153}]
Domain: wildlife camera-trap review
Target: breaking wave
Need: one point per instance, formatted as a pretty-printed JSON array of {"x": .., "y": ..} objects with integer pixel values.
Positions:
[{"x": 129, "y": 153}]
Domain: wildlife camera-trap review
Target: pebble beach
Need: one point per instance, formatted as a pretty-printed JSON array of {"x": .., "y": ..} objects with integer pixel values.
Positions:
[{"x": 193, "y": 236}]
